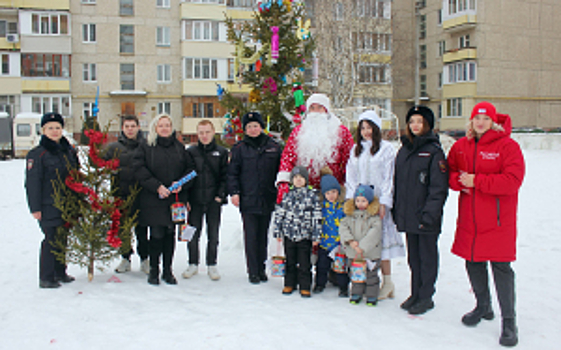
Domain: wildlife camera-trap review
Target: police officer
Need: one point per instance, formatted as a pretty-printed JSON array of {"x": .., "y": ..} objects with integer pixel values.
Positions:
[{"x": 50, "y": 161}]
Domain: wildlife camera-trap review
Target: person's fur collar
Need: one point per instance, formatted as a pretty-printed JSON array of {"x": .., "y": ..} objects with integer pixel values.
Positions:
[{"x": 373, "y": 208}]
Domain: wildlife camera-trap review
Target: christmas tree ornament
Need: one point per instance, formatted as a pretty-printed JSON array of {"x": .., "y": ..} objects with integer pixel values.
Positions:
[
  {"x": 298, "y": 94},
  {"x": 258, "y": 65},
  {"x": 303, "y": 29},
  {"x": 254, "y": 96},
  {"x": 270, "y": 86},
  {"x": 275, "y": 44},
  {"x": 219, "y": 92}
]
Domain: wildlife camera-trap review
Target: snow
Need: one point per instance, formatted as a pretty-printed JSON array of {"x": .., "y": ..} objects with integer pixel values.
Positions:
[{"x": 233, "y": 314}]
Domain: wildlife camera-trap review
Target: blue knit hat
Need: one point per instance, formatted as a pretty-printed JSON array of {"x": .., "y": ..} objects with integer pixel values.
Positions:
[
  {"x": 366, "y": 192},
  {"x": 328, "y": 183}
]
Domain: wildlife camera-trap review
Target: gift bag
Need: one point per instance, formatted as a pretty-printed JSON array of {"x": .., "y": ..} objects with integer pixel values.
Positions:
[
  {"x": 186, "y": 233},
  {"x": 178, "y": 211},
  {"x": 278, "y": 263},
  {"x": 340, "y": 261},
  {"x": 358, "y": 270}
]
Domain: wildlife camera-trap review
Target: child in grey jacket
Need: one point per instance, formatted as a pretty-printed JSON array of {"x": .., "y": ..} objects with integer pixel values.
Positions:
[
  {"x": 298, "y": 220},
  {"x": 361, "y": 236}
]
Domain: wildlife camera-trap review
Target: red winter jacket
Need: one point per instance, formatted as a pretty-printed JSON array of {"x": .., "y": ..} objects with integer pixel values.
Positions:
[{"x": 486, "y": 225}]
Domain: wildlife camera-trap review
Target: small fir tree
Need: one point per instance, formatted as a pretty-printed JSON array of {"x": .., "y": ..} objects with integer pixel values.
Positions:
[
  {"x": 272, "y": 52},
  {"x": 97, "y": 222}
]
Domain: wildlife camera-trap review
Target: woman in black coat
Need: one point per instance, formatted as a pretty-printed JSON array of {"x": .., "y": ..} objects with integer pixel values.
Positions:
[
  {"x": 420, "y": 191},
  {"x": 159, "y": 163},
  {"x": 251, "y": 183},
  {"x": 48, "y": 163}
]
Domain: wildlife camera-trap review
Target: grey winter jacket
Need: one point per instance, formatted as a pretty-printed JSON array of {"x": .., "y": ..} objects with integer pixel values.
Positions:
[
  {"x": 363, "y": 226},
  {"x": 298, "y": 217}
]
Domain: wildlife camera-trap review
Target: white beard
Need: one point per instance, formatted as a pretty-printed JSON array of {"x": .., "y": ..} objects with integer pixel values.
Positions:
[{"x": 317, "y": 141}]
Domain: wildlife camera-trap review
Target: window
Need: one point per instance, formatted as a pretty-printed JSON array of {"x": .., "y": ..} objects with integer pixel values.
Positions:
[
  {"x": 454, "y": 107},
  {"x": 423, "y": 85},
  {"x": 460, "y": 72},
  {"x": 339, "y": 9},
  {"x": 23, "y": 130},
  {"x": 87, "y": 109},
  {"x": 126, "y": 8},
  {"x": 127, "y": 76},
  {"x": 8, "y": 28},
  {"x": 90, "y": 72},
  {"x": 231, "y": 69},
  {"x": 422, "y": 26},
  {"x": 164, "y": 108},
  {"x": 200, "y": 68},
  {"x": 457, "y": 6},
  {"x": 164, "y": 73},
  {"x": 372, "y": 41},
  {"x": 5, "y": 64},
  {"x": 201, "y": 30},
  {"x": 439, "y": 18},
  {"x": 162, "y": 3},
  {"x": 421, "y": 4},
  {"x": 423, "y": 56},
  {"x": 49, "y": 24},
  {"x": 162, "y": 36},
  {"x": 464, "y": 41},
  {"x": 126, "y": 38},
  {"x": 373, "y": 73},
  {"x": 440, "y": 80},
  {"x": 88, "y": 33},
  {"x": 88, "y": 1},
  {"x": 45, "y": 65},
  {"x": 441, "y": 47},
  {"x": 56, "y": 104},
  {"x": 233, "y": 3}
]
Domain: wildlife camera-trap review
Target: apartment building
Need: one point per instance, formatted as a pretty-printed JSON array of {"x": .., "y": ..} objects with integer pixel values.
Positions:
[
  {"x": 504, "y": 52},
  {"x": 35, "y": 45}
]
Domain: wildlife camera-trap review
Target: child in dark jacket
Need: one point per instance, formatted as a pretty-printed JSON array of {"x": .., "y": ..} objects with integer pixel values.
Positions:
[
  {"x": 298, "y": 220},
  {"x": 361, "y": 235},
  {"x": 332, "y": 213}
]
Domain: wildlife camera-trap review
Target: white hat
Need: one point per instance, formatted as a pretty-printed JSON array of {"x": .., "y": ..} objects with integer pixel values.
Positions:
[
  {"x": 372, "y": 116},
  {"x": 319, "y": 99}
]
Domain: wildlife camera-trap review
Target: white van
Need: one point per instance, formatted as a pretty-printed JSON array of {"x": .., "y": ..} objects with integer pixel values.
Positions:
[{"x": 27, "y": 133}]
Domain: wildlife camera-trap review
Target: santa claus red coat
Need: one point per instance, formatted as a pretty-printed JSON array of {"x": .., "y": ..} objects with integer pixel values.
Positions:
[{"x": 486, "y": 225}]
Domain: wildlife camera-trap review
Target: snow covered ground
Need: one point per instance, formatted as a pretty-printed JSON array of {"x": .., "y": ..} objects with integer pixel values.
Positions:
[{"x": 233, "y": 314}]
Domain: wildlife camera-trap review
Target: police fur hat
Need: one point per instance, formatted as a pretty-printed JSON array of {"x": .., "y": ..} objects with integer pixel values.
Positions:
[
  {"x": 52, "y": 117},
  {"x": 424, "y": 112},
  {"x": 252, "y": 117}
]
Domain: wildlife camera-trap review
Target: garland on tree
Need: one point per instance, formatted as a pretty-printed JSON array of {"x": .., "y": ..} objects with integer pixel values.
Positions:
[
  {"x": 97, "y": 222},
  {"x": 276, "y": 57}
]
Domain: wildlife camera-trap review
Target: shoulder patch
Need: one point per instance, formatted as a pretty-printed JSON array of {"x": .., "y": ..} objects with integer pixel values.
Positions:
[
  {"x": 443, "y": 166},
  {"x": 29, "y": 164}
]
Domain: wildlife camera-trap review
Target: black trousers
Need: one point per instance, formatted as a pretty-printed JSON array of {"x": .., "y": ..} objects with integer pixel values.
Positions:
[
  {"x": 298, "y": 263},
  {"x": 323, "y": 266},
  {"x": 504, "y": 284},
  {"x": 256, "y": 234},
  {"x": 141, "y": 233},
  {"x": 49, "y": 266},
  {"x": 422, "y": 257},
  {"x": 212, "y": 213},
  {"x": 162, "y": 243}
]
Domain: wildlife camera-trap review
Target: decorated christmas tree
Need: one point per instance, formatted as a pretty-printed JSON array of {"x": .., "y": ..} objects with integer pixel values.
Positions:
[
  {"x": 272, "y": 52},
  {"x": 98, "y": 223}
]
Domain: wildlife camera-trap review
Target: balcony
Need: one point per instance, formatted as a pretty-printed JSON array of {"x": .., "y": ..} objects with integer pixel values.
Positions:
[
  {"x": 37, "y": 4},
  {"x": 459, "y": 23},
  {"x": 45, "y": 85},
  {"x": 466, "y": 53},
  {"x": 202, "y": 11}
]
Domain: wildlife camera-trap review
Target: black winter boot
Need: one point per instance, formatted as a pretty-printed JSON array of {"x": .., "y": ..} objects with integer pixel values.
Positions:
[
  {"x": 509, "y": 336},
  {"x": 421, "y": 306},
  {"x": 153, "y": 276},
  {"x": 168, "y": 277},
  {"x": 406, "y": 305},
  {"x": 473, "y": 317}
]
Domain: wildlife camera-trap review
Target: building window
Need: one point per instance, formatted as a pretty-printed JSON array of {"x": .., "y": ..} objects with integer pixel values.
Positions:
[
  {"x": 458, "y": 6},
  {"x": 439, "y": 17},
  {"x": 209, "y": 110},
  {"x": 201, "y": 30},
  {"x": 90, "y": 72},
  {"x": 56, "y": 104},
  {"x": 423, "y": 56},
  {"x": 87, "y": 110},
  {"x": 88, "y": 1},
  {"x": 454, "y": 107},
  {"x": 422, "y": 26},
  {"x": 127, "y": 76},
  {"x": 372, "y": 42},
  {"x": 162, "y": 36},
  {"x": 441, "y": 47},
  {"x": 164, "y": 108},
  {"x": 5, "y": 64},
  {"x": 8, "y": 28},
  {"x": 423, "y": 85},
  {"x": 162, "y": 3},
  {"x": 126, "y": 38},
  {"x": 231, "y": 69},
  {"x": 49, "y": 24},
  {"x": 464, "y": 41},
  {"x": 200, "y": 68},
  {"x": 164, "y": 73},
  {"x": 338, "y": 11},
  {"x": 45, "y": 65},
  {"x": 460, "y": 72},
  {"x": 88, "y": 33},
  {"x": 126, "y": 8},
  {"x": 233, "y": 3},
  {"x": 421, "y": 4},
  {"x": 373, "y": 73},
  {"x": 440, "y": 80}
]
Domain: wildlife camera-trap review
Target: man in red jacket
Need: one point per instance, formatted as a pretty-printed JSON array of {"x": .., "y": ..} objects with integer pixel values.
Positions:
[{"x": 487, "y": 166}]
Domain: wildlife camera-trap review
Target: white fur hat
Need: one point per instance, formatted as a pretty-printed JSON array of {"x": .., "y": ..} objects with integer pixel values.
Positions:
[
  {"x": 319, "y": 99},
  {"x": 372, "y": 116}
]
